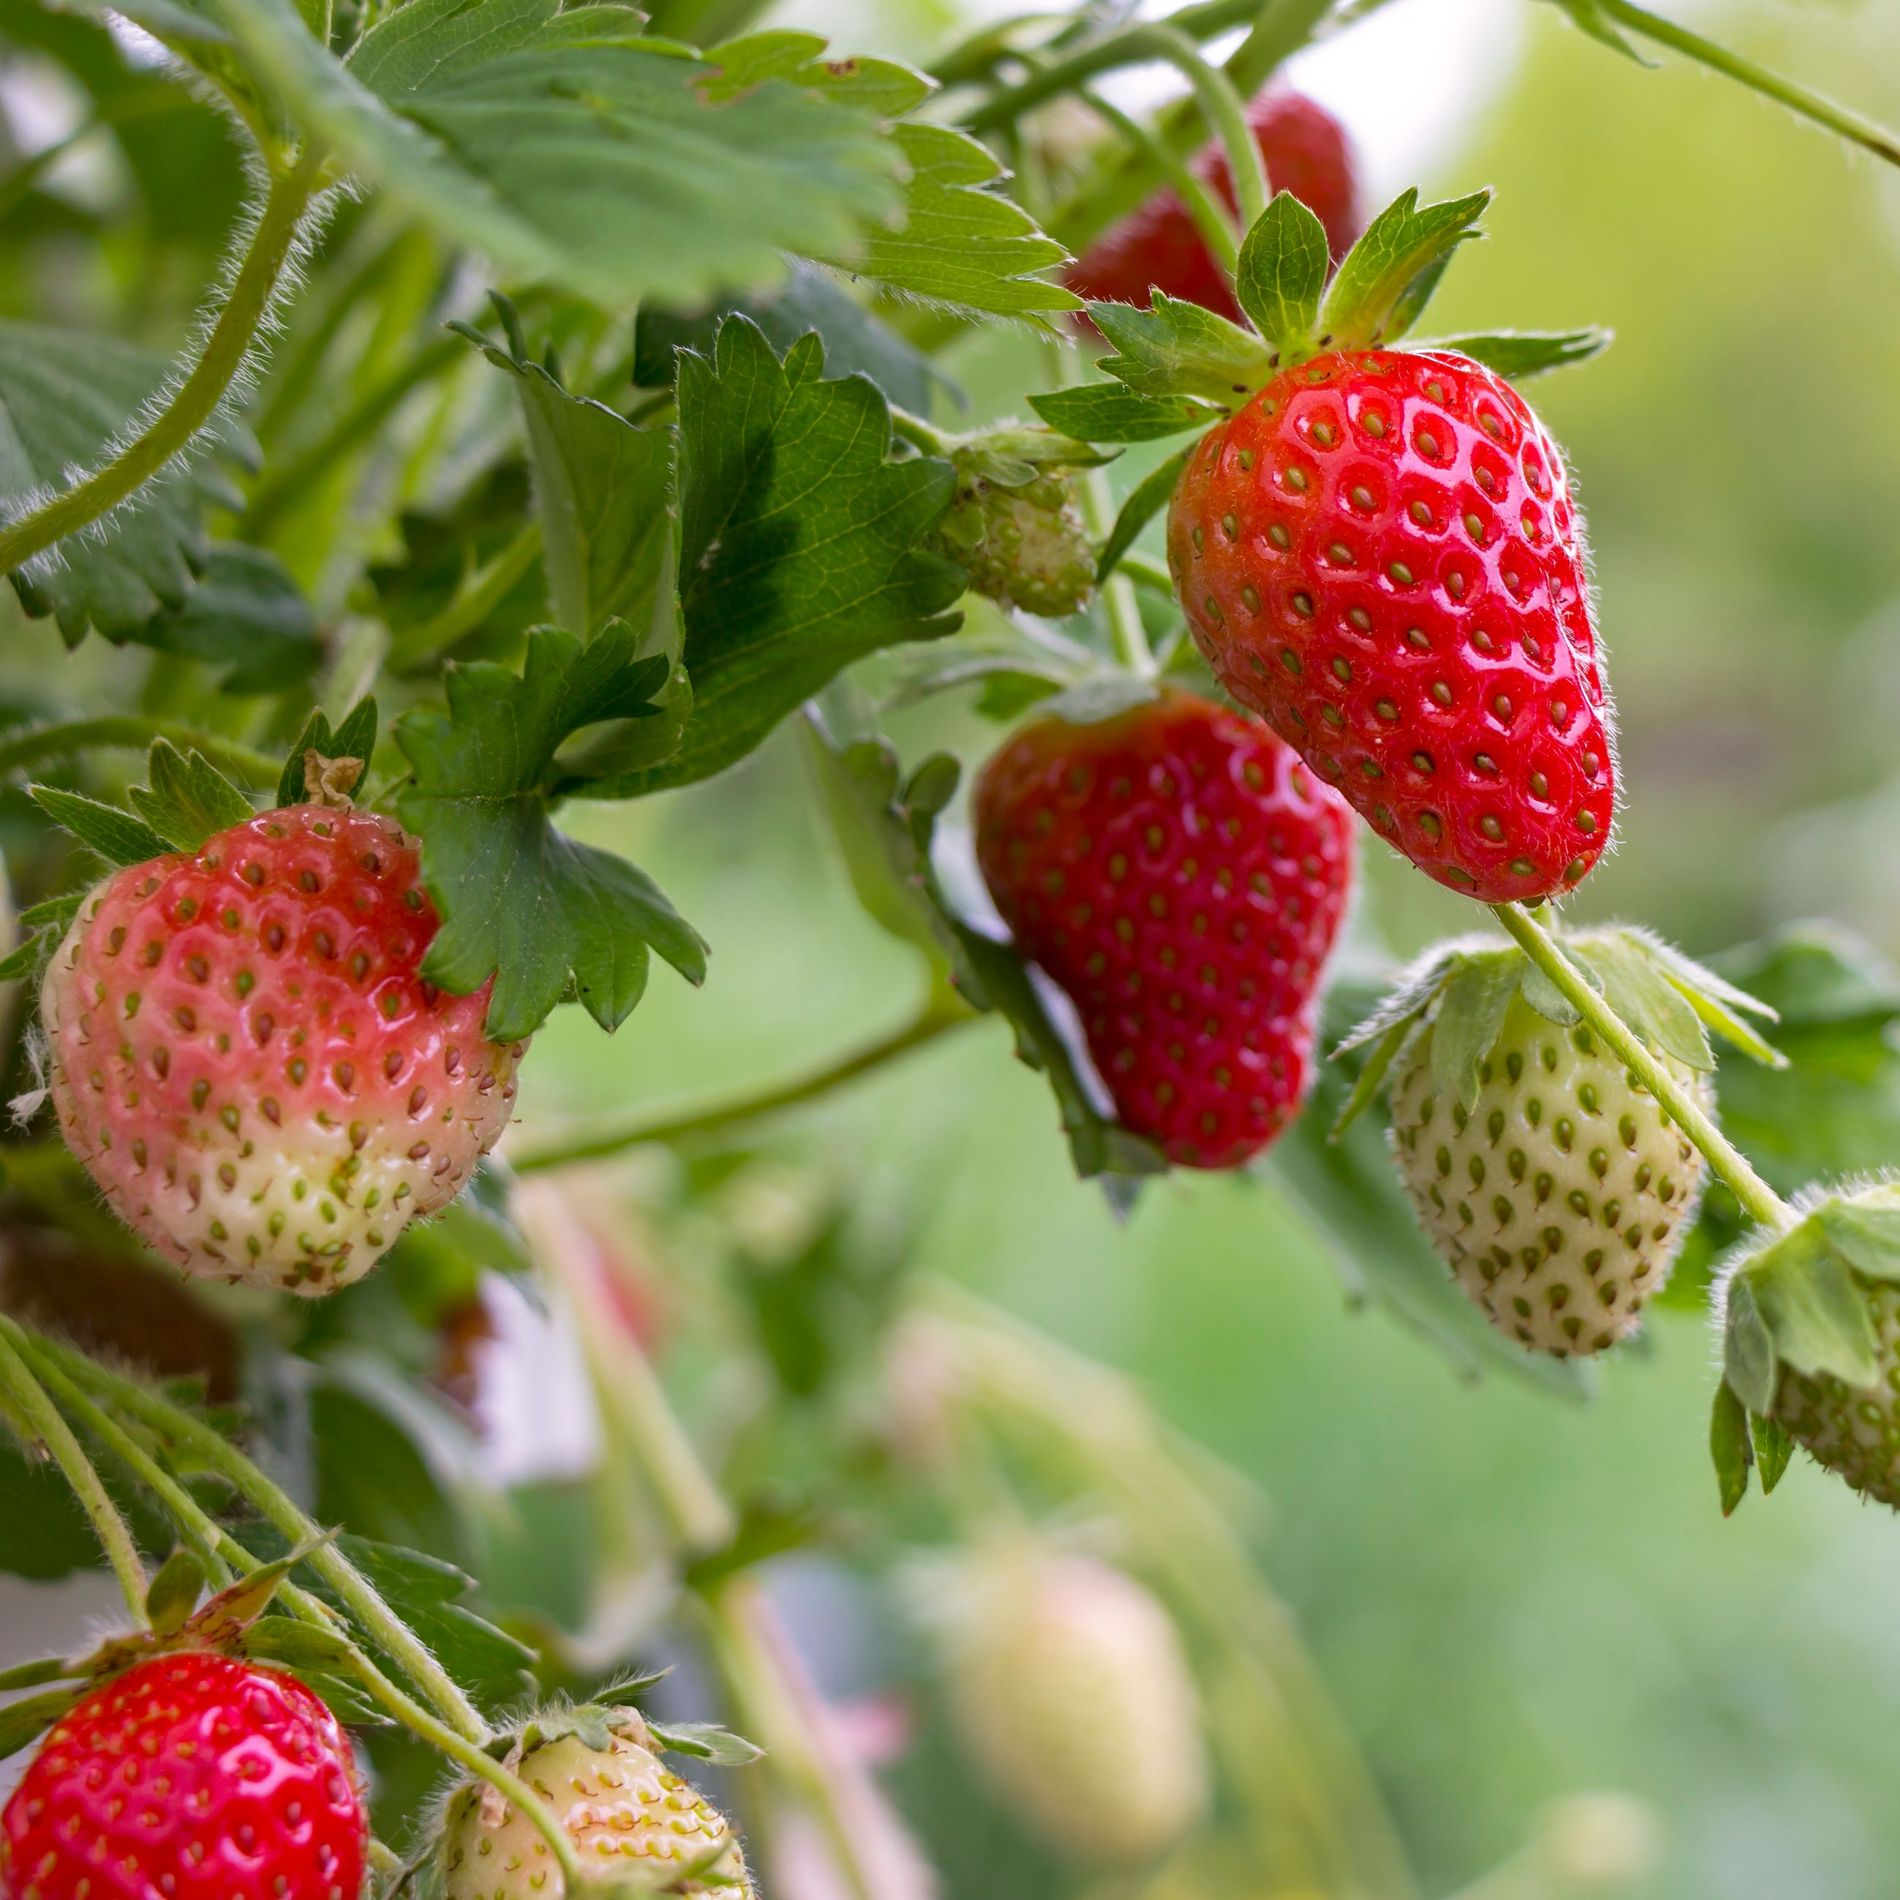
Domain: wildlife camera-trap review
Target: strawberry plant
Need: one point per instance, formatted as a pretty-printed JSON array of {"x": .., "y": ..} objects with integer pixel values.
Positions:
[{"x": 593, "y": 410}]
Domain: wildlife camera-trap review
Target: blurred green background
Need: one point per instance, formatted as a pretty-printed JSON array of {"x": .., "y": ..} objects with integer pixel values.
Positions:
[{"x": 1512, "y": 1596}]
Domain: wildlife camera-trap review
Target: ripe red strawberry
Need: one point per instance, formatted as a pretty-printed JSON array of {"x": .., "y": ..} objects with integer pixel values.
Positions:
[
  {"x": 1157, "y": 246},
  {"x": 1181, "y": 876},
  {"x": 1379, "y": 554},
  {"x": 246, "y": 1058},
  {"x": 191, "y": 1777}
]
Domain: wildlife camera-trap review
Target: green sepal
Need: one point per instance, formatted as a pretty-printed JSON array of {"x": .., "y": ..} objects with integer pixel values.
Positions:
[
  {"x": 173, "y": 1594},
  {"x": 1748, "y": 1348},
  {"x": 706, "y": 1741},
  {"x": 1471, "y": 1011},
  {"x": 46, "y": 926},
  {"x": 30, "y": 1675},
  {"x": 1729, "y": 1446},
  {"x": 1179, "y": 349},
  {"x": 115, "y": 835},
  {"x": 22, "y": 1723},
  {"x": 1865, "y": 1233},
  {"x": 189, "y": 799},
  {"x": 355, "y": 738},
  {"x": 1518, "y": 354},
  {"x": 296, "y": 1646},
  {"x": 1281, "y": 275},
  {"x": 1774, "y": 1447},
  {"x": 1150, "y": 495},
  {"x": 1112, "y": 412},
  {"x": 1812, "y": 1313},
  {"x": 1387, "y": 278},
  {"x": 1371, "y": 1078}
]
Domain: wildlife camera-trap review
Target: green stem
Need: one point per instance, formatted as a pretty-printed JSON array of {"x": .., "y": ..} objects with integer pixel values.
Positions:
[
  {"x": 133, "y": 732},
  {"x": 917, "y": 432},
  {"x": 1203, "y": 204},
  {"x": 1122, "y": 179},
  {"x": 357, "y": 1594},
  {"x": 224, "y": 1554},
  {"x": 1146, "y": 573},
  {"x": 28, "y": 1398},
  {"x": 221, "y": 1553},
  {"x": 1219, "y": 99},
  {"x": 473, "y": 1756},
  {"x": 197, "y": 398},
  {"x": 294, "y": 475},
  {"x": 1759, "y": 1201},
  {"x": 1119, "y": 605},
  {"x": 1821, "y": 111},
  {"x": 941, "y": 1012},
  {"x": 473, "y": 601}
]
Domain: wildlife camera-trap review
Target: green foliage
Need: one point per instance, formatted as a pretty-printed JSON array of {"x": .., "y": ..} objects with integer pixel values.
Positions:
[
  {"x": 64, "y": 399},
  {"x": 522, "y": 903},
  {"x": 801, "y": 543},
  {"x": 1282, "y": 274}
]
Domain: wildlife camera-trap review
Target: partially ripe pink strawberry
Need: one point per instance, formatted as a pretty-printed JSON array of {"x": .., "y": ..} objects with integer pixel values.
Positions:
[{"x": 250, "y": 1064}]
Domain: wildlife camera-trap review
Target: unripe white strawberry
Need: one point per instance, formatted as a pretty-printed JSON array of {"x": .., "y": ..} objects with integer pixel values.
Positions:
[
  {"x": 247, "y": 1059},
  {"x": 1561, "y": 1196},
  {"x": 1073, "y": 1698},
  {"x": 625, "y": 1811}
]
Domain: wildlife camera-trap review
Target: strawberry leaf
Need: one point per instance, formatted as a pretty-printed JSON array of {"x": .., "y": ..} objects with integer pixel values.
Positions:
[
  {"x": 570, "y": 149},
  {"x": 959, "y": 242},
  {"x": 65, "y": 397},
  {"x": 881, "y": 88},
  {"x": 1112, "y": 412},
  {"x": 1282, "y": 273},
  {"x": 521, "y": 901},
  {"x": 1388, "y": 277},
  {"x": 245, "y": 614},
  {"x": 811, "y": 303},
  {"x": 801, "y": 544},
  {"x": 1516, "y": 354}
]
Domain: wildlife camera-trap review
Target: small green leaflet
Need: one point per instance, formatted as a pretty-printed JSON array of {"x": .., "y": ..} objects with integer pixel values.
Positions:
[
  {"x": 116, "y": 835},
  {"x": 1389, "y": 275},
  {"x": 801, "y": 544},
  {"x": 570, "y": 149},
  {"x": 610, "y": 537},
  {"x": 64, "y": 398},
  {"x": 880, "y": 88},
  {"x": 1282, "y": 273},
  {"x": 522, "y": 902}
]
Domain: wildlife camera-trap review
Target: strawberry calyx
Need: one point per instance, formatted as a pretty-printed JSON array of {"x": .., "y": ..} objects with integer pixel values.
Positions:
[
  {"x": 1807, "y": 1315},
  {"x": 231, "y": 1622},
  {"x": 1179, "y": 366},
  {"x": 1460, "y": 992}
]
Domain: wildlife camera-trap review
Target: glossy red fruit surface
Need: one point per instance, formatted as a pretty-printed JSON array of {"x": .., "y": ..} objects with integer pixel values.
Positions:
[
  {"x": 190, "y": 1777},
  {"x": 248, "y": 1060},
  {"x": 1380, "y": 555},
  {"x": 1305, "y": 152},
  {"x": 1181, "y": 876}
]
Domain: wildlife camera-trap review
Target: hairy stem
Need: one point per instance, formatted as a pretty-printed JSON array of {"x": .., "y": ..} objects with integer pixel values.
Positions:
[
  {"x": 133, "y": 732},
  {"x": 357, "y": 1594},
  {"x": 1851, "y": 126},
  {"x": 196, "y": 399},
  {"x": 28, "y": 1399},
  {"x": 224, "y": 1554},
  {"x": 1759, "y": 1201},
  {"x": 942, "y": 1011}
]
